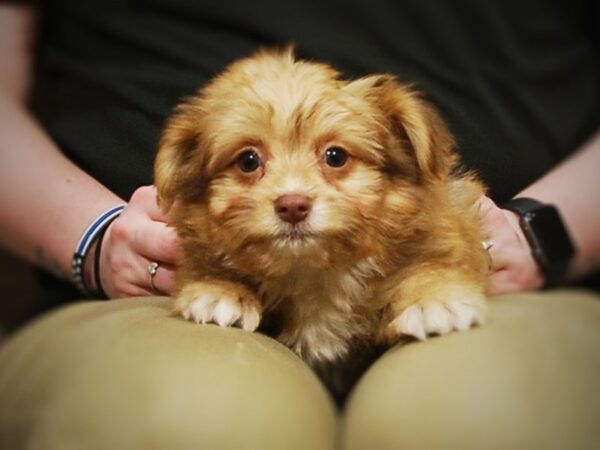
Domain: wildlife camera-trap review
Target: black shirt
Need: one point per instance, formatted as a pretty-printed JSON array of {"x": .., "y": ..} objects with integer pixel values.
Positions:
[{"x": 517, "y": 81}]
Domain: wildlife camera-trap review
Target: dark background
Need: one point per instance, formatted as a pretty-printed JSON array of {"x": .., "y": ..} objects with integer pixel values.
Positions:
[{"x": 18, "y": 288}]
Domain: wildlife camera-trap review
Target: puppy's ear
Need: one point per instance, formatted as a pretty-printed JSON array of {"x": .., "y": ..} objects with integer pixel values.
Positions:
[
  {"x": 415, "y": 125},
  {"x": 179, "y": 163}
]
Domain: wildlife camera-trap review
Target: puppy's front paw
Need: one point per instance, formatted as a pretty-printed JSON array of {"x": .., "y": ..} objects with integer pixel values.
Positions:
[
  {"x": 457, "y": 309},
  {"x": 221, "y": 302}
]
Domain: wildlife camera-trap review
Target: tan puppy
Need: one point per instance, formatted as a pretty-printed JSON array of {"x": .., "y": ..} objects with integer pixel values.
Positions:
[{"x": 332, "y": 209}]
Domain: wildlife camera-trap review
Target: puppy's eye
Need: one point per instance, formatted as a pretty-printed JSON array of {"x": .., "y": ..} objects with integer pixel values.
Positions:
[
  {"x": 248, "y": 161},
  {"x": 336, "y": 156}
]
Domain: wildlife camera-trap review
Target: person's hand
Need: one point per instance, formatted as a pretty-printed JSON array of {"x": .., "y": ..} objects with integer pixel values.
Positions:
[
  {"x": 513, "y": 268},
  {"x": 137, "y": 238}
]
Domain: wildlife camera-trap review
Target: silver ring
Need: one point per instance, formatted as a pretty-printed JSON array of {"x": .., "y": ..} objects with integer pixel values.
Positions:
[
  {"x": 152, "y": 269},
  {"x": 487, "y": 245}
]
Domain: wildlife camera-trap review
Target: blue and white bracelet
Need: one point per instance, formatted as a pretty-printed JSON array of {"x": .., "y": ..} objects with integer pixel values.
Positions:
[{"x": 88, "y": 238}]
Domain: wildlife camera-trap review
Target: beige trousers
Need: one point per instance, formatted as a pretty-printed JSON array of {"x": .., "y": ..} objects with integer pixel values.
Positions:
[{"x": 127, "y": 375}]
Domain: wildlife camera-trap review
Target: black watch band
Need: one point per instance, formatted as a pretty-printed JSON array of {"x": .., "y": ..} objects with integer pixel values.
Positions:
[{"x": 547, "y": 235}]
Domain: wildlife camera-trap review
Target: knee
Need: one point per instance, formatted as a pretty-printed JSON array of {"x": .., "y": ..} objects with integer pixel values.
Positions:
[
  {"x": 528, "y": 379},
  {"x": 129, "y": 376}
]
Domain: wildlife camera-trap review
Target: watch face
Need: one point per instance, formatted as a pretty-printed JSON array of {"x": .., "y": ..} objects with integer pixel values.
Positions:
[{"x": 551, "y": 237}]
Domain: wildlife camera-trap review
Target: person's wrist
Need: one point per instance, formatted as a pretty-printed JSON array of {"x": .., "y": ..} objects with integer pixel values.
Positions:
[
  {"x": 546, "y": 235},
  {"x": 98, "y": 261},
  {"x": 88, "y": 269},
  {"x": 514, "y": 222},
  {"x": 530, "y": 274},
  {"x": 84, "y": 274}
]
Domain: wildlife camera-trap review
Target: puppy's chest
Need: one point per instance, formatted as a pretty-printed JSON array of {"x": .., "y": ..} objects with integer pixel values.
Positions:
[
  {"x": 312, "y": 288},
  {"x": 321, "y": 311}
]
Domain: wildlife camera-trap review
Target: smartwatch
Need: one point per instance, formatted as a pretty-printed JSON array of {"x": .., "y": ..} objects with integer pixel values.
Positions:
[{"x": 547, "y": 235}]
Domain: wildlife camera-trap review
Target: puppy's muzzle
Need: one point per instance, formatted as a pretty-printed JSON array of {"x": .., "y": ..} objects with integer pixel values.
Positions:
[{"x": 293, "y": 208}]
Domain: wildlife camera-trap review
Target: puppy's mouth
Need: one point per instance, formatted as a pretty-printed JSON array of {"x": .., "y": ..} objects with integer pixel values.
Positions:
[{"x": 295, "y": 236}]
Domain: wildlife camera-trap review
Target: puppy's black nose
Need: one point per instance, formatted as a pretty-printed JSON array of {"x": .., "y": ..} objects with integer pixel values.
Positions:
[{"x": 293, "y": 208}]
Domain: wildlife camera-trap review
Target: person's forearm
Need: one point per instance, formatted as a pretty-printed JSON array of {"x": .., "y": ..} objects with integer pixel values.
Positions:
[
  {"x": 574, "y": 187},
  {"x": 46, "y": 202},
  {"x": 17, "y": 25}
]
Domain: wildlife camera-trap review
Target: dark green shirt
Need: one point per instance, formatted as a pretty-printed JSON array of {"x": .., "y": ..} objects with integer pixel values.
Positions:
[{"x": 518, "y": 81}]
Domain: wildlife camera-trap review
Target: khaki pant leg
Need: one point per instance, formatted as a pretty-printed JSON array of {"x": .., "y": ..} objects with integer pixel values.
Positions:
[
  {"x": 529, "y": 379},
  {"x": 126, "y": 375}
]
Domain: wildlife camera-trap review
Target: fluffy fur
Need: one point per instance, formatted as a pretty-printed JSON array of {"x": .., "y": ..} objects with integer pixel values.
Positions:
[{"x": 391, "y": 245}]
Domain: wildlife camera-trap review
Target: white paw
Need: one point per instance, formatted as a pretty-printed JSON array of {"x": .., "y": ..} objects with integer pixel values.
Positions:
[
  {"x": 220, "y": 306},
  {"x": 440, "y": 317}
]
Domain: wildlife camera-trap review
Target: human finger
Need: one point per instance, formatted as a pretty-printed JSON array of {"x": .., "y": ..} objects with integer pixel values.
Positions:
[
  {"x": 157, "y": 241},
  {"x": 498, "y": 233},
  {"x": 502, "y": 282},
  {"x": 485, "y": 205},
  {"x": 505, "y": 246},
  {"x": 136, "y": 279},
  {"x": 515, "y": 278},
  {"x": 123, "y": 269},
  {"x": 157, "y": 278},
  {"x": 146, "y": 198}
]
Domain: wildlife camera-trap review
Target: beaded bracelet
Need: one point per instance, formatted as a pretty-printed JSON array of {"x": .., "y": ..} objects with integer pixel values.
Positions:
[{"x": 88, "y": 238}]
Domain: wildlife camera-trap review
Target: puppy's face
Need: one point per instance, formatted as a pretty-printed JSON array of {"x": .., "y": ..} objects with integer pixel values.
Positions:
[{"x": 280, "y": 162}]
